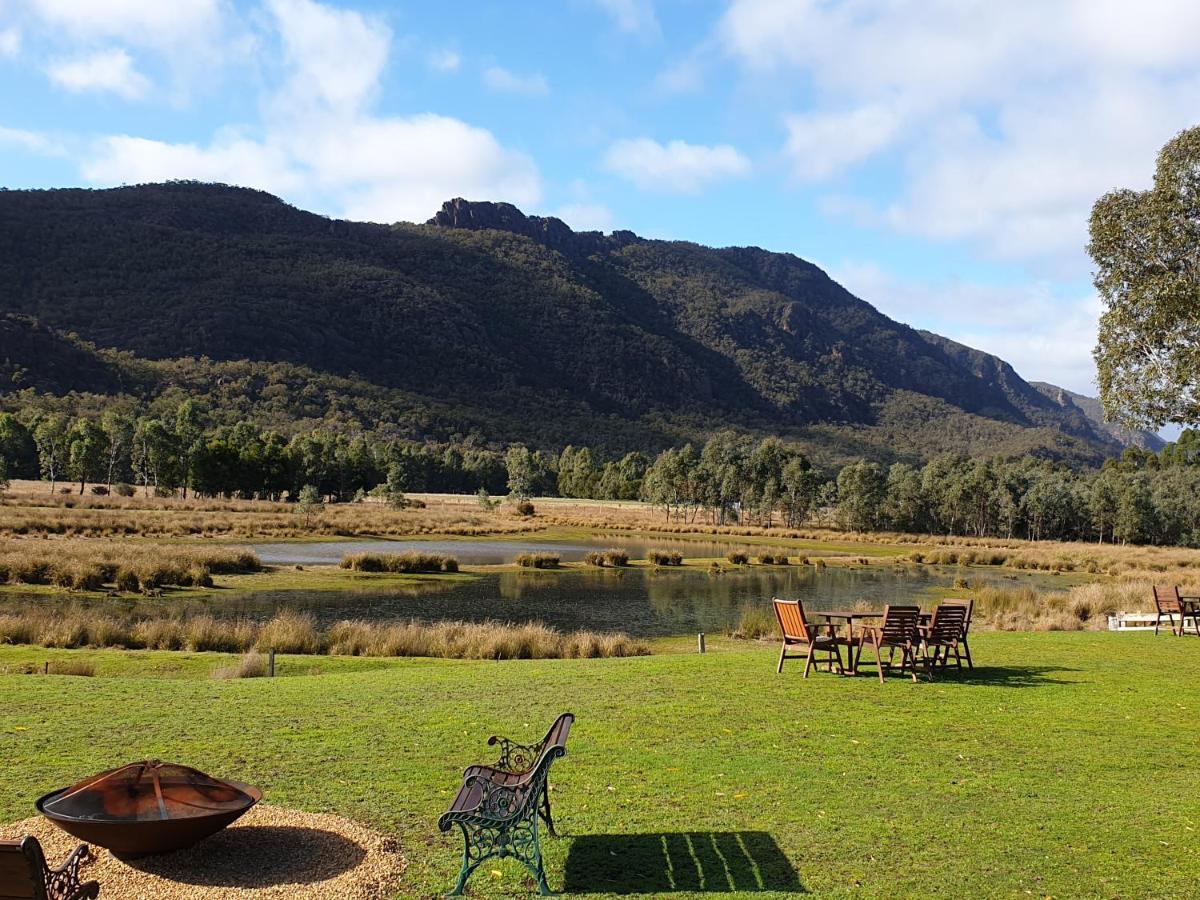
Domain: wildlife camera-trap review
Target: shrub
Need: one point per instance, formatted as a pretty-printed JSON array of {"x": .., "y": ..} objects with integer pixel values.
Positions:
[
  {"x": 594, "y": 558},
  {"x": 121, "y": 489},
  {"x": 99, "y": 490},
  {"x": 738, "y": 557},
  {"x": 525, "y": 508},
  {"x": 665, "y": 557}
]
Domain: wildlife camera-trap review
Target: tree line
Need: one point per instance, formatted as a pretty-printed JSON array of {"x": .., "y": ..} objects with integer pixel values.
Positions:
[{"x": 1140, "y": 497}]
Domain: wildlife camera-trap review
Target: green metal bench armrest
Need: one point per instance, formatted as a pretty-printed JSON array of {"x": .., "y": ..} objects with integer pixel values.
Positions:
[{"x": 498, "y": 803}]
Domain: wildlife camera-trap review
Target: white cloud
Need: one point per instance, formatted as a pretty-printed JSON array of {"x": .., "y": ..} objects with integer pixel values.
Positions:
[
  {"x": 677, "y": 166},
  {"x": 321, "y": 144},
  {"x": 30, "y": 142},
  {"x": 1044, "y": 334},
  {"x": 684, "y": 77},
  {"x": 122, "y": 159},
  {"x": 105, "y": 70},
  {"x": 586, "y": 216},
  {"x": 1006, "y": 120},
  {"x": 336, "y": 56},
  {"x": 633, "y": 16},
  {"x": 822, "y": 144},
  {"x": 142, "y": 22},
  {"x": 499, "y": 79},
  {"x": 444, "y": 61},
  {"x": 10, "y": 42}
]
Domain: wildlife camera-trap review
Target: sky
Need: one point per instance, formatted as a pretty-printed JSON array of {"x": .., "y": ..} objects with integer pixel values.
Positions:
[{"x": 937, "y": 157}]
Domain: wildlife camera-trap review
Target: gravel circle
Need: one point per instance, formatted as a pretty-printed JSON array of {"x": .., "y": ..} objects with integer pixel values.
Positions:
[{"x": 270, "y": 852}]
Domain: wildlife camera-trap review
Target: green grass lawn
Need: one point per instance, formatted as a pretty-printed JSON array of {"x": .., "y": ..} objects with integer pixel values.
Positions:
[{"x": 1065, "y": 765}]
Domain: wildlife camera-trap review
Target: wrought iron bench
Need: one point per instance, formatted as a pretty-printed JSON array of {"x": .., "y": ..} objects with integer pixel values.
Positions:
[
  {"x": 498, "y": 806},
  {"x": 24, "y": 873}
]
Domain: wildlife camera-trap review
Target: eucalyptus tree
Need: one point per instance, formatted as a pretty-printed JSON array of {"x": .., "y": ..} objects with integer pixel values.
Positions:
[
  {"x": 50, "y": 437},
  {"x": 1146, "y": 247},
  {"x": 87, "y": 450}
]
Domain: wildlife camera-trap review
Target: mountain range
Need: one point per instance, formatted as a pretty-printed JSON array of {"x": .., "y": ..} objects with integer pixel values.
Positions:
[{"x": 490, "y": 323}]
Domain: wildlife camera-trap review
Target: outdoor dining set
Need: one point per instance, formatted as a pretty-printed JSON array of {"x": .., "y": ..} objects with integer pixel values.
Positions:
[{"x": 931, "y": 641}]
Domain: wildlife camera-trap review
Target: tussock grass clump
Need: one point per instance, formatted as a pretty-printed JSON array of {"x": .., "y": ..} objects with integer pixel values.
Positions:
[
  {"x": 94, "y": 565},
  {"x": 616, "y": 557},
  {"x": 538, "y": 560},
  {"x": 290, "y": 632},
  {"x": 77, "y": 667},
  {"x": 772, "y": 559},
  {"x": 297, "y": 632},
  {"x": 251, "y": 665},
  {"x": 601, "y": 558},
  {"x": 411, "y": 562},
  {"x": 470, "y": 640},
  {"x": 665, "y": 557},
  {"x": 754, "y": 622},
  {"x": 738, "y": 557},
  {"x": 1084, "y": 606}
]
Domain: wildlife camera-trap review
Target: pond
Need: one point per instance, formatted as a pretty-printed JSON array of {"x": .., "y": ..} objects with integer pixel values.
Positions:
[
  {"x": 491, "y": 552},
  {"x": 642, "y": 602}
]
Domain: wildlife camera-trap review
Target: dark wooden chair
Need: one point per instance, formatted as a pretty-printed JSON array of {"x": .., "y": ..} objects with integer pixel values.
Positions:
[
  {"x": 25, "y": 874},
  {"x": 1168, "y": 603},
  {"x": 963, "y": 644},
  {"x": 498, "y": 807},
  {"x": 899, "y": 630},
  {"x": 799, "y": 632},
  {"x": 944, "y": 636}
]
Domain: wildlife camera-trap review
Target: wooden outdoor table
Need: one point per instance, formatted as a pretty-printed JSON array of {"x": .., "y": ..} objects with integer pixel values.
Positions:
[{"x": 849, "y": 616}]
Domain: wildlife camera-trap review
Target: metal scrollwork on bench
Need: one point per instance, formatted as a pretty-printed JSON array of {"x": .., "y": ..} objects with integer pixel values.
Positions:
[
  {"x": 514, "y": 757},
  {"x": 499, "y": 816}
]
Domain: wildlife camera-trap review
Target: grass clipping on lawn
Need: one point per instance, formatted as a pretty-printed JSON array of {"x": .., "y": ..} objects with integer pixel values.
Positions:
[{"x": 271, "y": 852}]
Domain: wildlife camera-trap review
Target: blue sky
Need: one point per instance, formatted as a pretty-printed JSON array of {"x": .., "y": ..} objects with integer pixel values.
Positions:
[{"x": 938, "y": 157}]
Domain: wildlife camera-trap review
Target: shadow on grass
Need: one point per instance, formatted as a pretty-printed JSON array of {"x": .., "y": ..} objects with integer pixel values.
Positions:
[
  {"x": 1005, "y": 676},
  {"x": 695, "y": 862}
]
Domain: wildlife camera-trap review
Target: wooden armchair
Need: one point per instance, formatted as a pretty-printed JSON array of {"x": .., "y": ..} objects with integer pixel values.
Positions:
[
  {"x": 798, "y": 632},
  {"x": 1168, "y": 603},
  {"x": 24, "y": 873},
  {"x": 944, "y": 635},
  {"x": 899, "y": 630},
  {"x": 969, "y": 606}
]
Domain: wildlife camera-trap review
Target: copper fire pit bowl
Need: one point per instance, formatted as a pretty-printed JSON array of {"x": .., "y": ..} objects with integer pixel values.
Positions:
[{"x": 147, "y": 807}]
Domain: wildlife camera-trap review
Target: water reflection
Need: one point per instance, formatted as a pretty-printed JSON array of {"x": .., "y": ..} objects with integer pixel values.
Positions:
[
  {"x": 643, "y": 602},
  {"x": 489, "y": 552}
]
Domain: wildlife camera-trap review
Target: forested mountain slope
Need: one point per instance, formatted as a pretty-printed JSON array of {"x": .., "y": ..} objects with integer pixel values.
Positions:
[{"x": 484, "y": 321}]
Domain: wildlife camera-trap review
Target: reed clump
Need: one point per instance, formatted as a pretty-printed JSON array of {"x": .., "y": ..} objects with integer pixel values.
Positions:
[
  {"x": 411, "y": 562},
  {"x": 538, "y": 560},
  {"x": 754, "y": 621},
  {"x": 772, "y": 559},
  {"x": 298, "y": 633},
  {"x": 665, "y": 557},
  {"x": 738, "y": 557}
]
